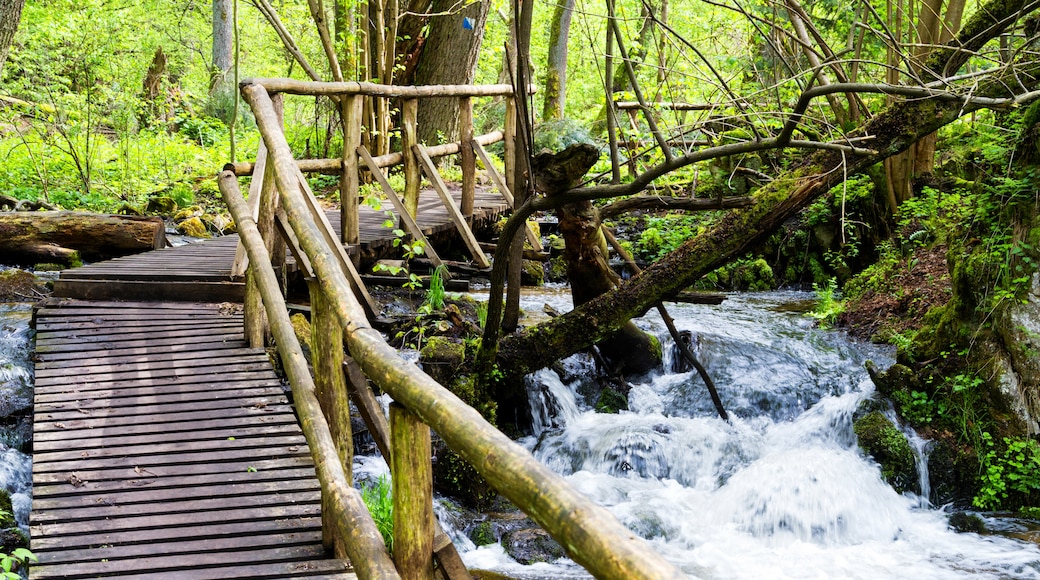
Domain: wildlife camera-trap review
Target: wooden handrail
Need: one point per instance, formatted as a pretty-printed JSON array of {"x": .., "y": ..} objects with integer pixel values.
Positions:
[
  {"x": 335, "y": 166},
  {"x": 587, "y": 531},
  {"x": 312, "y": 88},
  {"x": 364, "y": 543}
]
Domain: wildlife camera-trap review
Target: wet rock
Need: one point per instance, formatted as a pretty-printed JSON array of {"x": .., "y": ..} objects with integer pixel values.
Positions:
[
  {"x": 1020, "y": 333},
  {"x": 531, "y": 545},
  {"x": 19, "y": 286},
  {"x": 953, "y": 470},
  {"x": 964, "y": 522},
  {"x": 880, "y": 439},
  {"x": 13, "y": 538}
]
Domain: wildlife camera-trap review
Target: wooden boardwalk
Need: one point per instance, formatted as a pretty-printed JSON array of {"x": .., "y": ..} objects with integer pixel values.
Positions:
[
  {"x": 165, "y": 448},
  {"x": 202, "y": 271}
]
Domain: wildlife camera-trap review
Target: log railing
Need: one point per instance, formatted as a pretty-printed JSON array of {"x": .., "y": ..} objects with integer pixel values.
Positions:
[{"x": 588, "y": 532}]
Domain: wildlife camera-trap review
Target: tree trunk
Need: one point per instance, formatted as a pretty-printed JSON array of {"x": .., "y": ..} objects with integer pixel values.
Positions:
[
  {"x": 10, "y": 16},
  {"x": 223, "y": 43},
  {"x": 556, "y": 62},
  {"x": 894, "y": 130},
  {"x": 629, "y": 350},
  {"x": 449, "y": 57},
  {"x": 58, "y": 236}
]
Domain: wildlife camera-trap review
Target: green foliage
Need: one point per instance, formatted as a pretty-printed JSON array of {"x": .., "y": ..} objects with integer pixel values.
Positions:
[
  {"x": 829, "y": 305},
  {"x": 664, "y": 234},
  {"x": 435, "y": 293},
  {"x": 558, "y": 134},
  {"x": 378, "y": 497},
  {"x": 747, "y": 273},
  {"x": 10, "y": 563},
  {"x": 1008, "y": 470},
  {"x": 916, "y": 407}
]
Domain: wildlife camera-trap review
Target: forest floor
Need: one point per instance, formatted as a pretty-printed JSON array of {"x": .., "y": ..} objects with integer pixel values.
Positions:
[{"x": 898, "y": 300}]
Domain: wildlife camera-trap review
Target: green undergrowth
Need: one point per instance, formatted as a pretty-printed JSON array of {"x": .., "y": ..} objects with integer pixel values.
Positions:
[{"x": 378, "y": 497}]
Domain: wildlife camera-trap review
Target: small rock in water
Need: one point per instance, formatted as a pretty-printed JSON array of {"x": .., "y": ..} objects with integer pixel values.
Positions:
[{"x": 964, "y": 522}]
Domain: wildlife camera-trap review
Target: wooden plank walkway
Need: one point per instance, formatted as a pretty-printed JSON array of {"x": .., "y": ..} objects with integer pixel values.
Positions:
[
  {"x": 165, "y": 448},
  {"x": 202, "y": 271}
]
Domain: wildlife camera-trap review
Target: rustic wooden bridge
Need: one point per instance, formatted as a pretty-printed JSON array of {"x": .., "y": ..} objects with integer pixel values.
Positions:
[{"x": 167, "y": 447}]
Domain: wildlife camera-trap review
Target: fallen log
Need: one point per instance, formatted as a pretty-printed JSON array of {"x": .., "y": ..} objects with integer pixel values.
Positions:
[{"x": 63, "y": 237}]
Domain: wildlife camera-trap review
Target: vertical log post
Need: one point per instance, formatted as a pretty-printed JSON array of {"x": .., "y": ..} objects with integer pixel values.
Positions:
[
  {"x": 467, "y": 157},
  {"x": 351, "y": 112},
  {"x": 409, "y": 138},
  {"x": 257, "y": 330},
  {"x": 509, "y": 139},
  {"x": 412, "y": 477},
  {"x": 330, "y": 384}
]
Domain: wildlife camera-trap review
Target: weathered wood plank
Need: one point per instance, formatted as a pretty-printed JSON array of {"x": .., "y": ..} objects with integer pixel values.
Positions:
[
  {"x": 128, "y": 473},
  {"x": 189, "y": 548},
  {"x": 179, "y": 486},
  {"x": 166, "y": 564},
  {"x": 72, "y": 456},
  {"x": 152, "y": 495},
  {"x": 112, "y": 512},
  {"x": 147, "y": 536}
]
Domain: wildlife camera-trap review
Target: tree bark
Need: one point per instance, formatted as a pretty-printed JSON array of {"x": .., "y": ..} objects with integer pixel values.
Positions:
[
  {"x": 10, "y": 16},
  {"x": 894, "y": 131},
  {"x": 57, "y": 236},
  {"x": 223, "y": 43},
  {"x": 449, "y": 57},
  {"x": 629, "y": 350},
  {"x": 555, "y": 92}
]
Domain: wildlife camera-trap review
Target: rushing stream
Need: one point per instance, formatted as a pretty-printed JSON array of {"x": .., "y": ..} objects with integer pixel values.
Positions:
[
  {"x": 16, "y": 381},
  {"x": 782, "y": 492}
]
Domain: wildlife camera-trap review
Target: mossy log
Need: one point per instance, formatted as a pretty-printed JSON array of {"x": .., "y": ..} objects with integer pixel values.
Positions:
[{"x": 59, "y": 236}]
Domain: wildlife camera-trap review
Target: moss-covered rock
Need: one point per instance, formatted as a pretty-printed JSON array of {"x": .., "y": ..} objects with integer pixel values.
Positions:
[
  {"x": 19, "y": 285},
  {"x": 193, "y": 227},
  {"x": 611, "y": 401},
  {"x": 483, "y": 534},
  {"x": 456, "y": 478},
  {"x": 13, "y": 538},
  {"x": 532, "y": 274},
  {"x": 161, "y": 205},
  {"x": 964, "y": 522},
  {"x": 880, "y": 439},
  {"x": 442, "y": 357}
]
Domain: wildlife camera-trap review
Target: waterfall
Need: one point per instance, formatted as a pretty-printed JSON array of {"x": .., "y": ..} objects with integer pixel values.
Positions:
[{"x": 782, "y": 491}]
